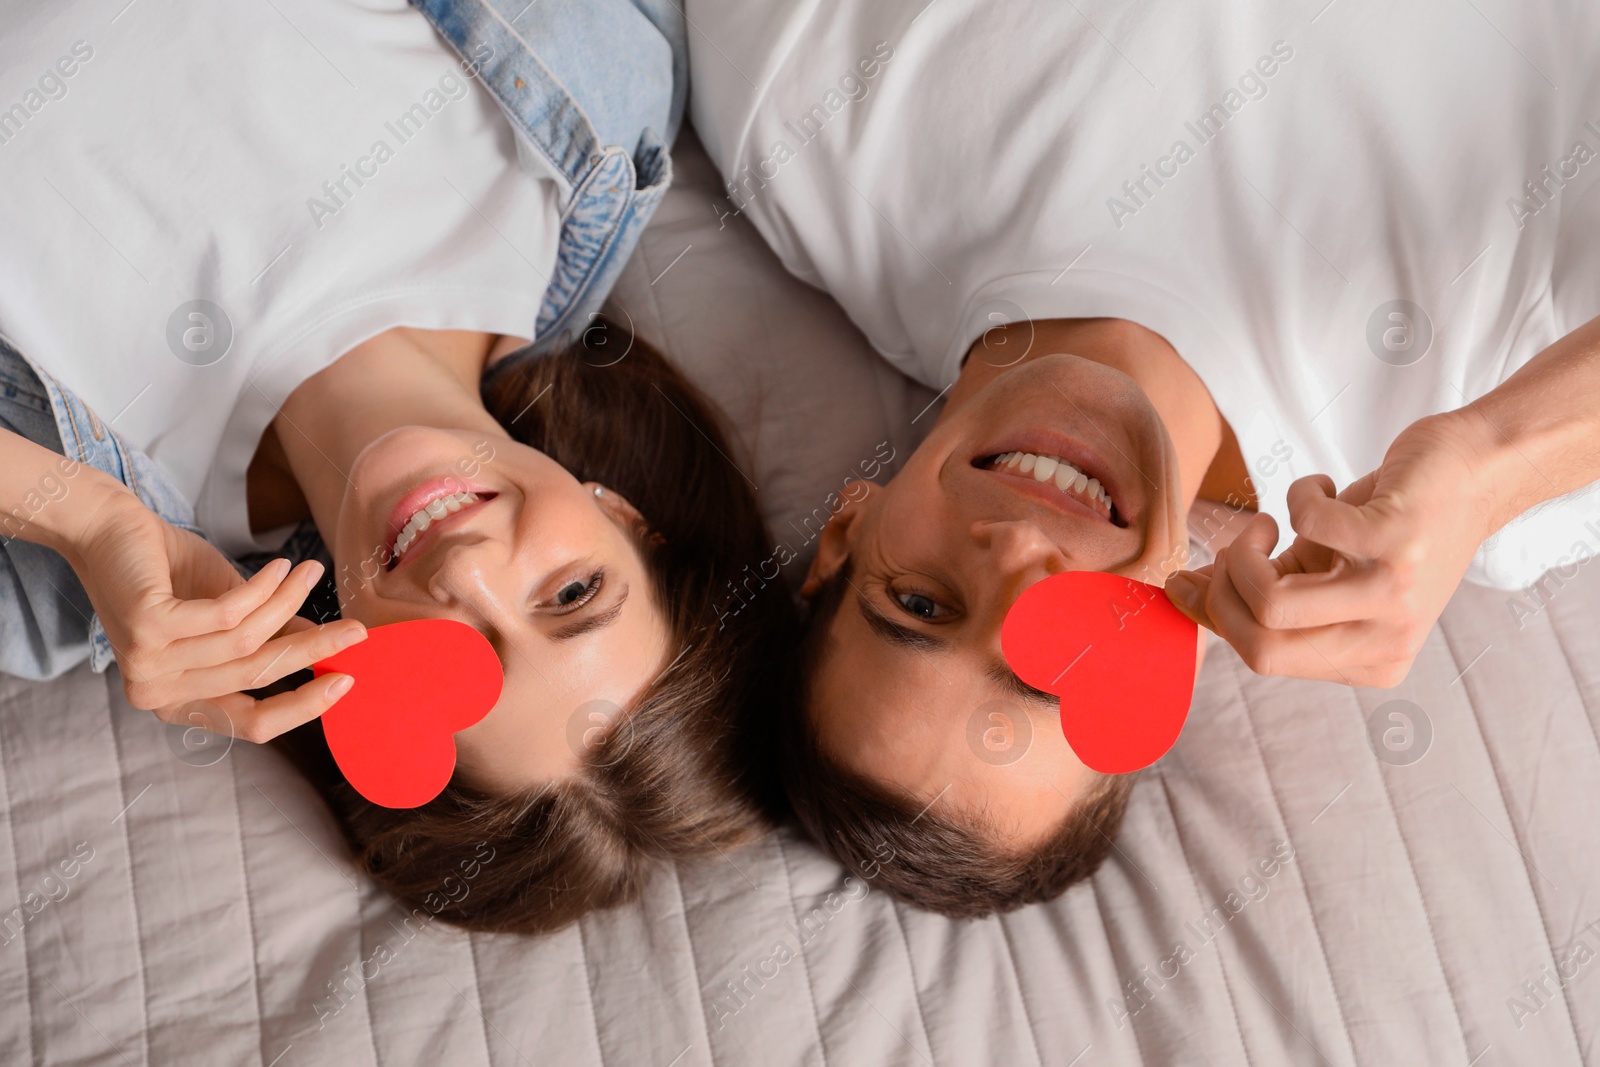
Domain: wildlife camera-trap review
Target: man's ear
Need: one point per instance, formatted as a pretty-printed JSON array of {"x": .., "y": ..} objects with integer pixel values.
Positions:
[{"x": 834, "y": 544}]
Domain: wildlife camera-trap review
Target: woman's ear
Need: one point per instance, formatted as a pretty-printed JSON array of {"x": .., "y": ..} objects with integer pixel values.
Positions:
[
  {"x": 621, "y": 510},
  {"x": 834, "y": 544}
]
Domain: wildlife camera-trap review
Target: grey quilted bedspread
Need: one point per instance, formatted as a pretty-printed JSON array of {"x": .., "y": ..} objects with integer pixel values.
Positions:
[{"x": 1279, "y": 895}]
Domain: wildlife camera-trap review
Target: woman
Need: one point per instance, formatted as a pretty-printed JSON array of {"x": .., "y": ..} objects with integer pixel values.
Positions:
[{"x": 589, "y": 516}]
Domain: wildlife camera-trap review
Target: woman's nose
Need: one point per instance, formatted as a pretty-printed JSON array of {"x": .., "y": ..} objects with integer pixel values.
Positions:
[{"x": 466, "y": 569}]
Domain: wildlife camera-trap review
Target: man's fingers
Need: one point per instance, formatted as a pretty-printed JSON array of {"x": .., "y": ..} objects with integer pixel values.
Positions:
[
  {"x": 1318, "y": 515},
  {"x": 1304, "y": 653},
  {"x": 1281, "y": 596},
  {"x": 249, "y": 632},
  {"x": 1187, "y": 590}
]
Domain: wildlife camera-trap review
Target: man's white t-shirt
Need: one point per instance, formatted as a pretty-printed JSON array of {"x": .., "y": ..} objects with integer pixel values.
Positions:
[
  {"x": 1343, "y": 220},
  {"x": 313, "y": 172}
]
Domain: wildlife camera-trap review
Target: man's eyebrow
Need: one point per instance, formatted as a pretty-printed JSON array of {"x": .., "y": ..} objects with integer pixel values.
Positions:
[
  {"x": 895, "y": 633},
  {"x": 597, "y": 621},
  {"x": 1003, "y": 676}
]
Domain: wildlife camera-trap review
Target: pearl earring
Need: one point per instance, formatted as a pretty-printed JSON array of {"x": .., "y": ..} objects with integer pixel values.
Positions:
[{"x": 599, "y": 491}]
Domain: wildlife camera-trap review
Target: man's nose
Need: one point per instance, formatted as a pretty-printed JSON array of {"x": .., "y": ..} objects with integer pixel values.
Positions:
[{"x": 1019, "y": 552}]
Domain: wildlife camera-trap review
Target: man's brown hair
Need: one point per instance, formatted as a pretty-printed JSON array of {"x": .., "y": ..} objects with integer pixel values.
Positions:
[
  {"x": 674, "y": 775},
  {"x": 942, "y": 861}
]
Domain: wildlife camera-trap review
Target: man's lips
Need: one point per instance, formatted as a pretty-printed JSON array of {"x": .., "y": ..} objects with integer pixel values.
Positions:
[
  {"x": 1079, "y": 455},
  {"x": 1050, "y": 492}
]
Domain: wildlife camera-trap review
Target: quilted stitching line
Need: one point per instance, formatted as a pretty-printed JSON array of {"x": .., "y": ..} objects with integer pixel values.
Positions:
[
  {"x": 811, "y": 993},
  {"x": 477, "y": 991},
  {"x": 694, "y": 966},
  {"x": 361, "y": 954},
  {"x": 133, "y": 887},
  {"x": 249, "y": 912},
  {"x": 1022, "y": 996},
  {"x": 911, "y": 968},
  {"x": 1516, "y": 831},
  {"x": 22, "y": 935},
  {"x": 1099, "y": 907},
  {"x": 1560, "y": 643},
  {"x": 588, "y": 995},
  {"x": 1222, "y": 965},
  {"x": 1427, "y": 912},
  {"x": 1305, "y": 888}
]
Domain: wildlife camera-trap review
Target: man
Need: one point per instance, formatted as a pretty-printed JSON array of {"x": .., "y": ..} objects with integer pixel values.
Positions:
[{"x": 1155, "y": 257}]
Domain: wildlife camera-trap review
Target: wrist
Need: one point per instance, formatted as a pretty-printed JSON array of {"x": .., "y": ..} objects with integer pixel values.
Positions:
[
  {"x": 1505, "y": 478},
  {"x": 89, "y": 499}
]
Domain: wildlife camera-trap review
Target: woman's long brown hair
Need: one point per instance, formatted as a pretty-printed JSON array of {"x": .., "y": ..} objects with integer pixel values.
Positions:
[{"x": 674, "y": 775}]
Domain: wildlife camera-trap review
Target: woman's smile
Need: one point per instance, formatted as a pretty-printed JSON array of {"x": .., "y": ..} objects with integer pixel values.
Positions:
[{"x": 427, "y": 509}]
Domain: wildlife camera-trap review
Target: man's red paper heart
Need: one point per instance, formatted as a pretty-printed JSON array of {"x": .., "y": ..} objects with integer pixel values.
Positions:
[
  {"x": 417, "y": 684},
  {"x": 1117, "y": 653}
]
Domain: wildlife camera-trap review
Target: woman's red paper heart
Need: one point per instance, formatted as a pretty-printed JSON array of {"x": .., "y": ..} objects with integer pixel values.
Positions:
[
  {"x": 1119, "y": 656},
  {"x": 417, "y": 684}
]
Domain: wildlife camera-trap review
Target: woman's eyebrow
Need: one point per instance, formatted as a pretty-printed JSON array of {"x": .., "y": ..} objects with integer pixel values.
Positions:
[{"x": 597, "y": 621}]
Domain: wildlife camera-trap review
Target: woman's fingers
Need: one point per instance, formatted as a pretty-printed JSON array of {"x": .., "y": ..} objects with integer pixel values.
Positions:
[
  {"x": 192, "y": 618},
  {"x": 259, "y": 721},
  {"x": 276, "y": 659},
  {"x": 249, "y": 632}
]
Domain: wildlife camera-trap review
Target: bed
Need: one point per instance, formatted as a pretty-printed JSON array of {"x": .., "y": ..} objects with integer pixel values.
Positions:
[{"x": 1432, "y": 895}]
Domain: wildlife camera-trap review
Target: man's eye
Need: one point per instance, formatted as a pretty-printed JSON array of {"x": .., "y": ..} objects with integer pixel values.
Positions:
[{"x": 922, "y": 607}]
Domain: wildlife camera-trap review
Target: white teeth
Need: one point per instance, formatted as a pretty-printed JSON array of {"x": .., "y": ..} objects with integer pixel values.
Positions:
[
  {"x": 426, "y": 516},
  {"x": 1066, "y": 477}
]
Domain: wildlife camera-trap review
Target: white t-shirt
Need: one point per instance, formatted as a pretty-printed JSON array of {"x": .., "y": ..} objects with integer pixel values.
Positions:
[
  {"x": 1258, "y": 187},
  {"x": 318, "y": 171}
]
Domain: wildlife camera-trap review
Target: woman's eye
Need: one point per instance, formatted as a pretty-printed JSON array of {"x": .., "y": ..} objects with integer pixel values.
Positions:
[
  {"x": 920, "y": 606},
  {"x": 578, "y": 592}
]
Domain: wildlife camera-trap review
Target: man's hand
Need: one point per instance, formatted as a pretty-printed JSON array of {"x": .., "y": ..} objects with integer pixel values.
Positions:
[
  {"x": 190, "y": 634},
  {"x": 1354, "y": 596}
]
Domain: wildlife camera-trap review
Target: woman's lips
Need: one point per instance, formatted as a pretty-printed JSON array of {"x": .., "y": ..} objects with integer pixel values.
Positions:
[{"x": 418, "y": 499}]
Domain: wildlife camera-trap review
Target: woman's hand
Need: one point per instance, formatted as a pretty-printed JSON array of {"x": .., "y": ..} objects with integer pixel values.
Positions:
[
  {"x": 1354, "y": 596},
  {"x": 190, "y": 634}
]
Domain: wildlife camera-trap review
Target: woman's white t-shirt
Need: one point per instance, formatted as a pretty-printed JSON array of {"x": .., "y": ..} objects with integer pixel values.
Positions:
[
  {"x": 1343, "y": 220},
  {"x": 205, "y": 204}
]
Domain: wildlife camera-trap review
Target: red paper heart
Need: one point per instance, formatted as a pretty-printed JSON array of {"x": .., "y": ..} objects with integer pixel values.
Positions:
[
  {"x": 417, "y": 684},
  {"x": 1119, "y": 656}
]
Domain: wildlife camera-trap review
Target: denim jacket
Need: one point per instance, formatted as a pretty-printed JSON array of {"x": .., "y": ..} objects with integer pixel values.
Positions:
[{"x": 596, "y": 87}]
